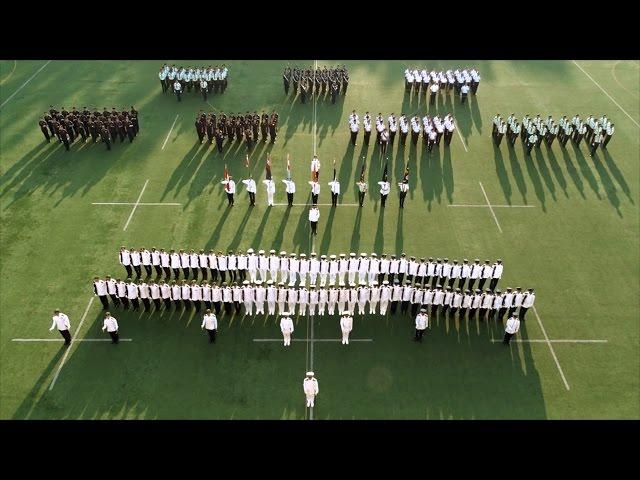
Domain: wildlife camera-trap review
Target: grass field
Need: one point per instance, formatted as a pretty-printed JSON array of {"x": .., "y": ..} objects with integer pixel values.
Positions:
[{"x": 577, "y": 245}]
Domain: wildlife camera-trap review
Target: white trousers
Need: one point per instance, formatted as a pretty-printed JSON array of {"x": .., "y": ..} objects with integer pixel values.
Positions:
[
  {"x": 263, "y": 274},
  {"x": 287, "y": 338},
  {"x": 372, "y": 306},
  {"x": 323, "y": 279},
  {"x": 352, "y": 307},
  {"x": 274, "y": 276},
  {"x": 332, "y": 279},
  {"x": 272, "y": 307},
  {"x": 362, "y": 277},
  {"x": 270, "y": 198},
  {"x": 312, "y": 309},
  {"x": 361, "y": 307},
  {"x": 341, "y": 305},
  {"x": 252, "y": 275},
  {"x": 352, "y": 277},
  {"x": 302, "y": 308},
  {"x": 341, "y": 277},
  {"x": 332, "y": 307},
  {"x": 248, "y": 307},
  {"x": 321, "y": 308},
  {"x": 383, "y": 306},
  {"x": 280, "y": 307},
  {"x": 292, "y": 278},
  {"x": 312, "y": 278},
  {"x": 303, "y": 278},
  {"x": 260, "y": 307},
  {"x": 310, "y": 400},
  {"x": 283, "y": 276},
  {"x": 345, "y": 337},
  {"x": 372, "y": 277},
  {"x": 292, "y": 307}
]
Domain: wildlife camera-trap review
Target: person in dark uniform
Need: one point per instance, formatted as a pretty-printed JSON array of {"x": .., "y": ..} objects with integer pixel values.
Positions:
[
  {"x": 273, "y": 126},
  {"x": 219, "y": 139},
  {"x": 210, "y": 130},
  {"x": 334, "y": 92},
  {"x": 44, "y": 130},
  {"x": 65, "y": 137},
  {"x": 264, "y": 126},
  {"x": 130, "y": 130},
  {"x": 121, "y": 130},
  {"x": 286, "y": 77},
  {"x": 304, "y": 89},
  {"x": 200, "y": 130},
  {"x": 106, "y": 137},
  {"x": 255, "y": 126}
]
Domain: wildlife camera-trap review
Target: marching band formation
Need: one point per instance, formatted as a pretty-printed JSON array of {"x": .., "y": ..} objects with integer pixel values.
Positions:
[
  {"x": 105, "y": 126},
  {"x": 532, "y": 131}
]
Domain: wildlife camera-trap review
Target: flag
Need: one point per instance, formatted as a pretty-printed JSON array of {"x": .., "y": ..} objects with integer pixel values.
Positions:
[
  {"x": 246, "y": 161},
  {"x": 226, "y": 178},
  {"x": 384, "y": 174},
  {"x": 364, "y": 164},
  {"x": 334, "y": 169},
  {"x": 268, "y": 167},
  {"x": 405, "y": 179},
  {"x": 288, "y": 168}
]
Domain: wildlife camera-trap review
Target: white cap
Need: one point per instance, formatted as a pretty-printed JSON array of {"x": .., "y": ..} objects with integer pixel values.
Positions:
[
  {"x": 258, "y": 282},
  {"x": 310, "y": 374},
  {"x": 332, "y": 257},
  {"x": 261, "y": 252},
  {"x": 250, "y": 250},
  {"x": 272, "y": 251}
]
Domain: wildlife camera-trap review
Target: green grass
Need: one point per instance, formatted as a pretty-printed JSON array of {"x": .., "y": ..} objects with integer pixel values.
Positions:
[{"x": 578, "y": 247}]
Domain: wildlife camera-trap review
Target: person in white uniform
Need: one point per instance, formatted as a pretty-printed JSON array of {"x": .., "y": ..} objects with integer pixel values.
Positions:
[
  {"x": 286, "y": 326},
  {"x": 110, "y": 324},
  {"x": 310, "y": 387},
  {"x": 346, "y": 325},
  {"x": 511, "y": 328},
  {"x": 61, "y": 322}
]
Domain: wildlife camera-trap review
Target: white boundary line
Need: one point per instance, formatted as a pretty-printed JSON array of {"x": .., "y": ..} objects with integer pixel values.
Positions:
[
  {"x": 551, "y": 341},
  {"x": 604, "y": 91},
  {"x": 494, "y": 206},
  {"x": 170, "y": 130},
  {"x": 66, "y": 354},
  {"x": 62, "y": 340},
  {"x": 135, "y": 205},
  {"x": 318, "y": 204},
  {"x": 315, "y": 340},
  {"x": 132, "y": 203},
  {"x": 553, "y": 353},
  {"x": 25, "y": 84},
  {"x": 461, "y": 139},
  {"x": 490, "y": 207}
]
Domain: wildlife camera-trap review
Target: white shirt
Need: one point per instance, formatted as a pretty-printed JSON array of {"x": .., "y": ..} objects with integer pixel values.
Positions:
[
  {"x": 528, "y": 299},
  {"x": 271, "y": 186},
  {"x": 314, "y": 215},
  {"x": 315, "y": 188},
  {"x": 286, "y": 325},
  {"x": 385, "y": 188},
  {"x": 290, "y": 186},
  {"x": 125, "y": 257},
  {"x": 422, "y": 320},
  {"x": 346, "y": 324},
  {"x": 315, "y": 165},
  {"x": 210, "y": 322},
  {"x": 512, "y": 326},
  {"x": 251, "y": 185},
  {"x": 310, "y": 386},
  {"x": 110, "y": 324},
  {"x": 335, "y": 186},
  {"x": 101, "y": 288},
  {"x": 497, "y": 270},
  {"x": 61, "y": 321},
  {"x": 231, "y": 186}
]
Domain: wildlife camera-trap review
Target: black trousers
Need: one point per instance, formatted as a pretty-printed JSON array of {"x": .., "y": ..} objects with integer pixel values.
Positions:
[
  {"x": 242, "y": 274},
  {"x": 135, "y": 303},
  {"x": 404, "y": 308},
  {"x": 114, "y": 337},
  {"x": 383, "y": 199},
  {"x": 158, "y": 269},
  {"x": 177, "y": 302},
  {"x": 66, "y": 335},
  {"x": 472, "y": 282},
  {"x": 290, "y": 199},
  {"x": 185, "y": 272},
  {"x": 354, "y": 136},
  {"x": 414, "y": 309},
  {"x": 114, "y": 299},
  {"x": 482, "y": 312},
  {"x": 434, "y": 309},
  {"x": 314, "y": 228},
  {"x": 507, "y": 338},
  {"x": 204, "y": 271},
  {"x": 334, "y": 199},
  {"x": 493, "y": 283},
  {"x": 230, "y": 198},
  {"x": 187, "y": 303},
  {"x": 125, "y": 302},
  {"x": 481, "y": 283},
  {"x": 367, "y": 136},
  {"x": 419, "y": 334},
  {"x": 197, "y": 305},
  {"x": 147, "y": 268},
  {"x": 128, "y": 269},
  {"x": 167, "y": 303},
  {"x": 176, "y": 273},
  {"x": 314, "y": 198},
  {"x": 216, "y": 306},
  {"x": 462, "y": 313},
  {"x": 252, "y": 198},
  {"x": 380, "y": 278},
  {"x": 403, "y": 195},
  {"x": 361, "y": 198},
  {"x": 461, "y": 282},
  {"x": 451, "y": 282},
  {"x": 105, "y": 301},
  {"x": 501, "y": 313},
  {"x": 138, "y": 270},
  {"x": 228, "y": 306},
  {"x": 394, "y": 306},
  {"x": 212, "y": 335},
  {"x": 523, "y": 312},
  {"x": 401, "y": 278},
  {"x": 472, "y": 313},
  {"x": 147, "y": 304}
]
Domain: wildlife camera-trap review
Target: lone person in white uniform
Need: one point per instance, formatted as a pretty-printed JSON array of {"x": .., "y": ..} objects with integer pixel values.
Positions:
[
  {"x": 310, "y": 387},
  {"x": 286, "y": 326},
  {"x": 346, "y": 325}
]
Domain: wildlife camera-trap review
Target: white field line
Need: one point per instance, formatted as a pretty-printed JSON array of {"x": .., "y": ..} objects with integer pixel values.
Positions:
[
  {"x": 24, "y": 84},
  {"x": 142, "y": 204},
  {"x": 494, "y": 206},
  {"x": 552, "y": 341},
  {"x": 313, "y": 340},
  {"x": 604, "y": 91},
  {"x": 319, "y": 204},
  {"x": 553, "y": 353},
  {"x": 170, "y": 130},
  {"x": 490, "y": 207},
  {"x": 66, "y": 354},
  {"x": 462, "y": 140},
  {"x": 62, "y": 340},
  {"x": 315, "y": 98},
  {"x": 135, "y": 205}
]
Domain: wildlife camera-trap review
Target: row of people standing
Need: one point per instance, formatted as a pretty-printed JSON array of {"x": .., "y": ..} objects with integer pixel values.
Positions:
[
  {"x": 106, "y": 126},
  {"x": 461, "y": 82},
  {"x": 319, "y": 81},
  {"x": 249, "y": 127},
  {"x": 210, "y": 79}
]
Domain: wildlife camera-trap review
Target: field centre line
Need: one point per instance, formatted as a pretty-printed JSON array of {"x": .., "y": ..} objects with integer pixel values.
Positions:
[
  {"x": 133, "y": 210},
  {"x": 604, "y": 91},
  {"x": 170, "y": 130},
  {"x": 55, "y": 378},
  {"x": 25, "y": 83},
  {"x": 490, "y": 207}
]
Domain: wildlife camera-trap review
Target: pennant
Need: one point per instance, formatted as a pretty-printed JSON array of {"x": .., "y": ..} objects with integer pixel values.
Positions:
[
  {"x": 405, "y": 179},
  {"x": 334, "y": 169},
  {"x": 268, "y": 168},
  {"x": 226, "y": 178},
  {"x": 246, "y": 161},
  {"x": 364, "y": 164},
  {"x": 288, "y": 168}
]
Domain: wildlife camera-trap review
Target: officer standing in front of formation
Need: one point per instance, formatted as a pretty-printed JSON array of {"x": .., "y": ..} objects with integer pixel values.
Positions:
[
  {"x": 314, "y": 216},
  {"x": 110, "y": 324},
  {"x": 251, "y": 189},
  {"x": 286, "y": 326},
  {"x": 362, "y": 189},
  {"x": 335, "y": 191},
  {"x": 61, "y": 322},
  {"x": 404, "y": 188},
  {"x": 511, "y": 328},
  {"x": 210, "y": 324},
  {"x": 310, "y": 387},
  {"x": 290, "y": 188},
  {"x": 422, "y": 321},
  {"x": 385, "y": 188},
  {"x": 177, "y": 89},
  {"x": 230, "y": 188},
  {"x": 346, "y": 325}
]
